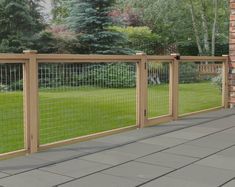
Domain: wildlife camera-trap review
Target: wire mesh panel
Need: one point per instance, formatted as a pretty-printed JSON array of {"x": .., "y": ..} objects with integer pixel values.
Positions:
[
  {"x": 158, "y": 89},
  {"x": 11, "y": 108},
  {"x": 200, "y": 86},
  {"x": 85, "y": 98}
]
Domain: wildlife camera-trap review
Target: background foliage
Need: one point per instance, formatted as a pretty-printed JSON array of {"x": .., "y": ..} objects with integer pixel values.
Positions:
[
  {"x": 198, "y": 27},
  {"x": 189, "y": 27}
]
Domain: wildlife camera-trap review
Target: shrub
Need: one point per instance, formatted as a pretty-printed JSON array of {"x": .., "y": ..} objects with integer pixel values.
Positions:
[
  {"x": 16, "y": 86},
  {"x": 217, "y": 81},
  {"x": 44, "y": 42},
  {"x": 66, "y": 41},
  {"x": 140, "y": 38},
  {"x": 3, "y": 87},
  {"x": 188, "y": 73},
  {"x": 51, "y": 75},
  {"x": 111, "y": 76}
]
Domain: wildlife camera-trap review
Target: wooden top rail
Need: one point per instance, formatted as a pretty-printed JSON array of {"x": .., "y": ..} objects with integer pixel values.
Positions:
[
  {"x": 160, "y": 58},
  {"x": 203, "y": 58},
  {"x": 13, "y": 58},
  {"x": 44, "y": 58},
  {"x": 75, "y": 58},
  {"x": 98, "y": 58},
  {"x": 50, "y": 58}
]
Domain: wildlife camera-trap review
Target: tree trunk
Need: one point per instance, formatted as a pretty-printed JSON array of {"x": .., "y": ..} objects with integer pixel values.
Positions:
[
  {"x": 214, "y": 28},
  {"x": 54, "y": 6},
  {"x": 205, "y": 28},
  {"x": 196, "y": 33}
]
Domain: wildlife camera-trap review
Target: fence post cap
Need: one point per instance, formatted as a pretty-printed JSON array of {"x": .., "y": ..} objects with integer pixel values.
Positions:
[
  {"x": 140, "y": 53},
  {"x": 175, "y": 54},
  {"x": 227, "y": 56},
  {"x": 30, "y": 51}
]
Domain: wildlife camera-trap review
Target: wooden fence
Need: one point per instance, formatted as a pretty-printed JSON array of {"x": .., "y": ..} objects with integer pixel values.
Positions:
[
  {"x": 30, "y": 61},
  {"x": 209, "y": 69}
]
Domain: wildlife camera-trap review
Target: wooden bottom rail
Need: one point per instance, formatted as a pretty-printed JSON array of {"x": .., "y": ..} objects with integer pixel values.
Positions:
[
  {"x": 201, "y": 111},
  {"x": 168, "y": 118},
  {"x": 86, "y": 138},
  {"x": 158, "y": 120},
  {"x": 13, "y": 154}
]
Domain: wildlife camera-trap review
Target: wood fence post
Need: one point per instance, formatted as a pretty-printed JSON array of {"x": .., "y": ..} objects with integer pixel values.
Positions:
[
  {"x": 31, "y": 102},
  {"x": 142, "y": 93},
  {"x": 174, "y": 87},
  {"x": 225, "y": 85}
]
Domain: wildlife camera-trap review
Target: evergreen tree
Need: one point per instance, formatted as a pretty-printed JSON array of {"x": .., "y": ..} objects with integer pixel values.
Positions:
[
  {"x": 59, "y": 11},
  {"x": 90, "y": 19},
  {"x": 20, "y": 20},
  {"x": 35, "y": 9},
  {"x": 15, "y": 17}
]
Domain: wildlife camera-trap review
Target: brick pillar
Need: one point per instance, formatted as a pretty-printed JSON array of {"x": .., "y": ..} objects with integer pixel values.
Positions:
[{"x": 232, "y": 53}]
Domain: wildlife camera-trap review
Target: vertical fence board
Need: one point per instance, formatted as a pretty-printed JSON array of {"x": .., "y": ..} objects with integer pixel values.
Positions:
[
  {"x": 31, "y": 102},
  {"x": 142, "y": 86},
  {"x": 171, "y": 79},
  {"x": 225, "y": 86},
  {"x": 174, "y": 84},
  {"x": 26, "y": 105}
]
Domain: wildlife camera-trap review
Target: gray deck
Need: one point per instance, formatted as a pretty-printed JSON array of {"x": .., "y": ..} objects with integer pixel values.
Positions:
[{"x": 194, "y": 151}]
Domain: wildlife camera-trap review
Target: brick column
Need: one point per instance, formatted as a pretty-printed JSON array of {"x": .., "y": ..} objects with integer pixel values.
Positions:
[{"x": 232, "y": 53}]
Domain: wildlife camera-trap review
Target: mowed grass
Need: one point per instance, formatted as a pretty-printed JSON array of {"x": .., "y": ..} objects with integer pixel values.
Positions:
[
  {"x": 82, "y": 111},
  {"x": 71, "y": 112},
  {"x": 199, "y": 96},
  {"x": 11, "y": 121}
]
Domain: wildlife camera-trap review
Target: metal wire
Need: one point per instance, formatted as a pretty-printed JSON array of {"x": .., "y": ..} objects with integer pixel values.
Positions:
[
  {"x": 82, "y": 99},
  {"x": 200, "y": 86},
  {"x": 11, "y": 108},
  {"x": 158, "y": 89}
]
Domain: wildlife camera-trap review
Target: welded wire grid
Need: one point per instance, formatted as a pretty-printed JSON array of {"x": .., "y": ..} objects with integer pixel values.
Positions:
[
  {"x": 158, "y": 89},
  {"x": 85, "y": 98},
  {"x": 200, "y": 86},
  {"x": 11, "y": 108}
]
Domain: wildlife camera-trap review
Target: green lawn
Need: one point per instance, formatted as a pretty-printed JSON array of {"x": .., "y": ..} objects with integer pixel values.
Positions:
[
  {"x": 200, "y": 96},
  {"x": 75, "y": 112}
]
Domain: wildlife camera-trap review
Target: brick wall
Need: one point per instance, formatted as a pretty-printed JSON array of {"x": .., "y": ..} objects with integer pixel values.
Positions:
[{"x": 232, "y": 53}]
